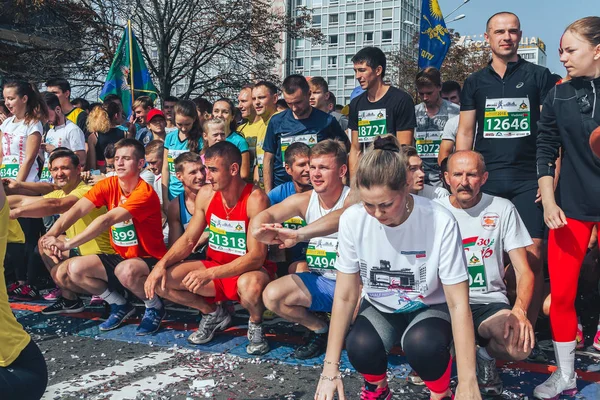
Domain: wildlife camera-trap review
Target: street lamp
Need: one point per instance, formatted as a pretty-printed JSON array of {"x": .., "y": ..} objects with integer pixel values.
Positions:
[
  {"x": 456, "y": 9},
  {"x": 458, "y": 17},
  {"x": 410, "y": 23}
]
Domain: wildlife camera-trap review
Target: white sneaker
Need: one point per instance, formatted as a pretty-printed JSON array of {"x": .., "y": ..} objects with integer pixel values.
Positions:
[{"x": 556, "y": 386}]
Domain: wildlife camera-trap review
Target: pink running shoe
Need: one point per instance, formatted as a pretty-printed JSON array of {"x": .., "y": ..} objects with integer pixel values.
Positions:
[
  {"x": 53, "y": 295},
  {"x": 371, "y": 392},
  {"x": 96, "y": 301},
  {"x": 597, "y": 340},
  {"x": 579, "y": 338}
]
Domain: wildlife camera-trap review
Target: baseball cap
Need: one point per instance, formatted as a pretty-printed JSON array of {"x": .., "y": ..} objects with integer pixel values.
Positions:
[{"x": 155, "y": 112}]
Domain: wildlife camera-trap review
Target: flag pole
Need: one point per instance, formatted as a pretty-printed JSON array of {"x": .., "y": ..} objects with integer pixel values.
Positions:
[{"x": 131, "y": 63}]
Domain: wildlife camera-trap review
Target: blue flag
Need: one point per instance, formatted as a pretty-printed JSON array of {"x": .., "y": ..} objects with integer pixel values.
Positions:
[
  {"x": 434, "y": 39},
  {"x": 128, "y": 59}
]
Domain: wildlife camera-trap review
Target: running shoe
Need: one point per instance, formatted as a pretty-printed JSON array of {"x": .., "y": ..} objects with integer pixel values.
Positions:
[
  {"x": 151, "y": 321},
  {"x": 597, "y": 340},
  {"x": 537, "y": 355},
  {"x": 11, "y": 288},
  {"x": 556, "y": 386},
  {"x": 64, "y": 306},
  {"x": 26, "y": 292},
  {"x": 371, "y": 392},
  {"x": 118, "y": 314},
  {"x": 96, "y": 301},
  {"x": 209, "y": 324},
  {"x": 579, "y": 338},
  {"x": 314, "y": 347},
  {"x": 258, "y": 343},
  {"x": 488, "y": 378},
  {"x": 53, "y": 295}
]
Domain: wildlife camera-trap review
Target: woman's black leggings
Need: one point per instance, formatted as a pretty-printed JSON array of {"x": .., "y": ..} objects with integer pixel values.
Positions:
[
  {"x": 425, "y": 337},
  {"x": 26, "y": 378}
]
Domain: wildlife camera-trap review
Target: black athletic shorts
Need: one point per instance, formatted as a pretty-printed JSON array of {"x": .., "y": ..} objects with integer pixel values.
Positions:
[
  {"x": 110, "y": 262},
  {"x": 522, "y": 194},
  {"x": 480, "y": 313}
]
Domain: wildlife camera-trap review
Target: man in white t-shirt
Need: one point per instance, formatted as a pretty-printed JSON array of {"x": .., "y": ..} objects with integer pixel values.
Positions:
[
  {"x": 490, "y": 226},
  {"x": 63, "y": 133},
  {"x": 295, "y": 297},
  {"x": 416, "y": 176}
]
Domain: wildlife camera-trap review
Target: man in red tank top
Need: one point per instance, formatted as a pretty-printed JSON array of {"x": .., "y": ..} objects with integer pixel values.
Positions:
[{"x": 235, "y": 267}]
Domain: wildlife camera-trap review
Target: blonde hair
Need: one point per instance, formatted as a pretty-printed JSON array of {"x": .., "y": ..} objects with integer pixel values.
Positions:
[
  {"x": 98, "y": 120},
  {"x": 383, "y": 165},
  {"x": 588, "y": 28}
]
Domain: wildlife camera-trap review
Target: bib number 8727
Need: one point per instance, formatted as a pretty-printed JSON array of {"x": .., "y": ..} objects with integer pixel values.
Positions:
[{"x": 371, "y": 130}]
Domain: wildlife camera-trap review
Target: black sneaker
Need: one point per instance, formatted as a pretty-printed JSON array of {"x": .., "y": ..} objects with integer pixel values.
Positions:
[
  {"x": 64, "y": 306},
  {"x": 314, "y": 347},
  {"x": 26, "y": 292}
]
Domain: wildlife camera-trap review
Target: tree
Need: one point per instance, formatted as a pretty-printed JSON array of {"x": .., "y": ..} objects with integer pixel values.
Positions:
[{"x": 211, "y": 47}]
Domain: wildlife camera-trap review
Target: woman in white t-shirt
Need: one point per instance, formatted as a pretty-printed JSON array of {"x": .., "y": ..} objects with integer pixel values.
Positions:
[
  {"x": 21, "y": 134},
  {"x": 408, "y": 253}
]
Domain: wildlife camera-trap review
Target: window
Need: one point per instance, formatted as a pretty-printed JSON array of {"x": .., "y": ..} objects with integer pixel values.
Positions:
[
  {"x": 387, "y": 14},
  {"x": 299, "y": 43},
  {"x": 369, "y": 15},
  {"x": 351, "y": 18},
  {"x": 299, "y": 3},
  {"x": 386, "y": 36},
  {"x": 368, "y": 37},
  {"x": 333, "y": 40},
  {"x": 154, "y": 53},
  {"x": 315, "y": 62},
  {"x": 316, "y": 20},
  {"x": 349, "y": 58},
  {"x": 333, "y": 19},
  {"x": 299, "y": 63},
  {"x": 350, "y": 38},
  {"x": 349, "y": 81},
  {"x": 332, "y": 82},
  {"x": 332, "y": 61}
]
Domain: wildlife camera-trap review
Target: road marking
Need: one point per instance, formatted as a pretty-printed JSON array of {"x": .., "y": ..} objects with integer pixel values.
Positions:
[
  {"x": 108, "y": 374},
  {"x": 151, "y": 384}
]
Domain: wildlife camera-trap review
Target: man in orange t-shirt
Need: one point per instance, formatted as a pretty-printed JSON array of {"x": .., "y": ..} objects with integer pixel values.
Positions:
[{"x": 135, "y": 223}]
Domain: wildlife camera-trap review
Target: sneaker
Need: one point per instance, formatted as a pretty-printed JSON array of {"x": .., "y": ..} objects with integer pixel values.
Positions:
[
  {"x": 26, "y": 292},
  {"x": 118, "y": 314},
  {"x": 314, "y": 347},
  {"x": 96, "y": 301},
  {"x": 209, "y": 324},
  {"x": 537, "y": 355},
  {"x": 11, "y": 288},
  {"x": 556, "y": 386},
  {"x": 371, "y": 392},
  {"x": 53, "y": 295},
  {"x": 414, "y": 379},
  {"x": 64, "y": 306},
  {"x": 488, "y": 379},
  {"x": 151, "y": 321},
  {"x": 258, "y": 343},
  {"x": 579, "y": 338}
]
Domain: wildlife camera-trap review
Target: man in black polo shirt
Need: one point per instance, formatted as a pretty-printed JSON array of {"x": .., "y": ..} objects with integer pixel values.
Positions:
[
  {"x": 502, "y": 102},
  {"x": 380, "y": 109},
  {"x": 300, "y": 123}
]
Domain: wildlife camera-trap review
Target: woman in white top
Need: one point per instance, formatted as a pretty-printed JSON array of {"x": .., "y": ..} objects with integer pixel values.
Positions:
[
  {"x": 408, "y": 253},
  {"x": 21, "y": 134}
]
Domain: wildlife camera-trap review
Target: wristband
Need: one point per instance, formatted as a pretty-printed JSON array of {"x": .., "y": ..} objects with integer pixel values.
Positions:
[
  {"x": 330, "y": 378},
  {"x": 331, "y": 362}
]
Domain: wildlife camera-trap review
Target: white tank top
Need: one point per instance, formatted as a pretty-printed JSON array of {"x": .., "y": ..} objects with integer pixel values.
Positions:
[{"x": 314, "y": 211}]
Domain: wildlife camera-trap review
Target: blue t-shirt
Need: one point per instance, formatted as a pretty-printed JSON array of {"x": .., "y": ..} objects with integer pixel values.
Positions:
[
  {"x": 276, "y": 196},
  {"x": 284, "y": 129},
  {"x": 175, "y": 147},
  {"x": 236, "y": 139}
]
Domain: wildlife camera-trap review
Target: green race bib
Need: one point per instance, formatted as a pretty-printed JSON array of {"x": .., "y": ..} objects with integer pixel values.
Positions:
[
  {"x": 227, "y": 236},
  {"x": 171, "y": 156},
  {"x": 294, "y": 223},
  {"x": 9, "y": 167},
  {"x": 124, "y": 234},
  {"x": 507, "y": 118},
  {"x": 428, "y": 148},
  {"x": 477, "y": 276},
  {"x": 321, "y": 254},
  {"x": 371, "y": 123},
  {"x": 309, "y": 139}
]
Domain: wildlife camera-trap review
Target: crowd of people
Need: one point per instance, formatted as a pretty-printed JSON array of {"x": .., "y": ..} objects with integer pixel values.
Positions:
[{"x": 383, "y": 223}]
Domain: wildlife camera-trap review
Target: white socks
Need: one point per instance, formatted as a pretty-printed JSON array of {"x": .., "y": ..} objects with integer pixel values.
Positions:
[
  {"x": 154, "y": 302},
  {"x": 484, "y": 354},
  {"x": 565, "y": 358},
  {"x": 113, "y": 298}
]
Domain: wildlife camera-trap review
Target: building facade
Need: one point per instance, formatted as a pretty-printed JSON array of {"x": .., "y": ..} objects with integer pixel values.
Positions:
[{"x": 348, "y": 26}]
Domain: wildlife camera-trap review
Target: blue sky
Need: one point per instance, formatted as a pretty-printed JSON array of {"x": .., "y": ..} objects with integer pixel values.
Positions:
[{"x": 546, "y": 19}]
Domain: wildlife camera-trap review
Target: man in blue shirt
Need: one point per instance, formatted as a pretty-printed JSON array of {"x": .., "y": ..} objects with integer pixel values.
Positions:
[{"x": 300, "y": 123}]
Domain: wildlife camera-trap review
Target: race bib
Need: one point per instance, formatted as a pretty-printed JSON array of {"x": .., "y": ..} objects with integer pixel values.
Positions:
[
  {"x": 227, "y": 236},
  {"x": 477, "y": 276},
  {"x": 321, "y": 254},
  {"x": 428, "y": 148},
  {"x": 507, "y": 118},
  {"x": 371, "y": 123},
  {"x": 294, "y": 223},
  {"x": 171, "y": 156},
  {"x": 124, "y": 234},
  {"x": 260, "y": 161},
  {"x": 9, "y": 167},
  {"x": 45, "y": 176},
  {"x": 309, "y": 139}
]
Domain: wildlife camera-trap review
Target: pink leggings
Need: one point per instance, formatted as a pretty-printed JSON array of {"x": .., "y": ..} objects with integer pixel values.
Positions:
[{"x": 567, "y": 248}]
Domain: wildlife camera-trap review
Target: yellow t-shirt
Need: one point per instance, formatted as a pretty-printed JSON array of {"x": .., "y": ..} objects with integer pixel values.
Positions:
[
  {"x": 101, "y": 243},
  {"x": 15, "y": 233},
  {"x": 252, "y": 133},
  {"x": 13, "y": 337}
]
